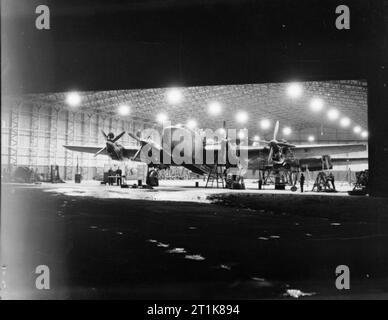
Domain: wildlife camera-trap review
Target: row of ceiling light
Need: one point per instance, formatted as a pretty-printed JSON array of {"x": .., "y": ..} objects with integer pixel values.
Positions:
[{"x": 294, "y": 90}]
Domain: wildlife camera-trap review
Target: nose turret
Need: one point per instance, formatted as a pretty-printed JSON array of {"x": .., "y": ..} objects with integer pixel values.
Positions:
[
  {"x": 110, "y": 146},
  {"x": 111, "y": 136}
]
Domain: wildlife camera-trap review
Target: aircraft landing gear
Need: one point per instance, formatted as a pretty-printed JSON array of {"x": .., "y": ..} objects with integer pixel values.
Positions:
[{"x": 152, "y": 178}]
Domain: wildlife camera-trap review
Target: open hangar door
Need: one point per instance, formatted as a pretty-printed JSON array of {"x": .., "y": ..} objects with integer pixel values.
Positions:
[{"x": 205, "y": 55}]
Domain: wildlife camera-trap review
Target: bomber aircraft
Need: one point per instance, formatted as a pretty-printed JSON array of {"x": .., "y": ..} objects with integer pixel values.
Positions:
[{"x": 270, "y": 155}]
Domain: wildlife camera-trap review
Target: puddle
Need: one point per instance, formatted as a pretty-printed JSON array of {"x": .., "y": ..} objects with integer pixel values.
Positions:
[
  {"x": 225, "y": 267},
  {"x": 295, "y": 293},
  {"x": 163, "y": 245},
  {"x": 261, "y": 282},
  {"x": 177, "y": 250},
  {"x": 196, "y": 257}
]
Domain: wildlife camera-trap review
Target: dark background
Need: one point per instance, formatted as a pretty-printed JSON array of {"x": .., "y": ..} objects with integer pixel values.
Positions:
[{"x": 101, "y": 45}]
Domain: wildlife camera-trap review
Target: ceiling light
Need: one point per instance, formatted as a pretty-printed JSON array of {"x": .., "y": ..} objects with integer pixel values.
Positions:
[
  {"x": 161, "y": 117},
  {"x": 241, "y": 135},
  {"x": 73, "y": 99},
  {"x": 242, "y": 117},
  {"x": 333, "y": 114},
  {"x": 191, "y": 124},
  {"x": 294, "y": 90},
  {"x": 316, "y": 104},
  {"x": 265, "y": 124},
  {"x": 124, "y": 110},
  {"x": 215, "y": 108},
  {"x": 174, "y": 96},
  {"x": 287, "y": 131},
  {"x": 345, "y": 122}
]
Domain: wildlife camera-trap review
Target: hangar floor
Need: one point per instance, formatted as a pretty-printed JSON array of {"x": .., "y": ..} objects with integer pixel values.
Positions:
[
  {"x": 174, "y": 190},
  {"x": 107, "y": 242}
]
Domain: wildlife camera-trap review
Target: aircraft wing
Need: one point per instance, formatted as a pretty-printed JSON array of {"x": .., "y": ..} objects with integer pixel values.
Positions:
[
  {"x": 85, "y": 149},
  {"x": 318, "y": 150},
  {"x": 347, "y": 161},
  {"x": 128, "y": 152}
]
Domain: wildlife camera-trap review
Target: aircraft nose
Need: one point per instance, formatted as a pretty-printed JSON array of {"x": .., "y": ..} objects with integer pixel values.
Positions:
[{"x": 109, "y": 146}]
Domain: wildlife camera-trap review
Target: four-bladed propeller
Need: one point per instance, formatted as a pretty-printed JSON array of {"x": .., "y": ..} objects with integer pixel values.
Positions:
[
  {"x": 274, "y": 144},
  {"x": 143, "y": 142},
  {"x": 110, "y": 140}
]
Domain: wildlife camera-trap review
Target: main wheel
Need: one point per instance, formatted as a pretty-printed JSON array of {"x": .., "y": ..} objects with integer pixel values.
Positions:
[{"x": 152, "y": 178}]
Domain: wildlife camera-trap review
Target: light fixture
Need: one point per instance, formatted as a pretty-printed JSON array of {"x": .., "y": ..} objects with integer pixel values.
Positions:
[
  {"x": 241, "y": 134},
  {"x": 311, "y": 138},
  {"x": 294, "y": 90},
  {"x": 364, "y": 134},
  {"x": 214, "y": 108},
  {"x": 124, "y": 110},
  {"x": 174, "y": 96},
  {"x": 357, "y": 129},
  {"x": 316, "y": 104},
  {"x": 221, "y": 131},
  {"x": 256, "y": 138},
  {"x": 345, "y": 122},
  {"x": 287, "y": 131},
  {"x": 191, "y": 124},
  {"x": 161, "y": 117},
  {"x": 333, "y": 114},
  {"x": 73, "y": 99},
  {"x": 265, "y": 124},
  {"x": 242, "y": 117}
]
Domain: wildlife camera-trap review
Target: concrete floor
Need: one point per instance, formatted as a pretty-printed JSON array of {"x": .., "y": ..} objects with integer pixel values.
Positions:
[
  {"x": 174, "y": 190},
  {"x": 105, "y": 242}
]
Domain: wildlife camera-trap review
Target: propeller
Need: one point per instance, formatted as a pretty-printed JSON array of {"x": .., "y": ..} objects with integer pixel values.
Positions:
[
  {"x": 108, "y": 140},
  {"x": 270, "y": 155},
  {"x": 143, "y": 142},
  {"x": 275, "y": 132},
  {"x": 275, "y": 144},
  {"x": 138, "y": 140},
  {"x": 118, "y": 137}
]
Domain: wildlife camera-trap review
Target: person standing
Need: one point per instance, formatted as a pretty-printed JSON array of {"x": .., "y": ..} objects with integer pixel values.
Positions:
[
  {"x": 331, "y": 179},
  {"x": 110, "y": 178},
  {"x": 119, "y": 174},
  {"x": 301, "y": 181}
]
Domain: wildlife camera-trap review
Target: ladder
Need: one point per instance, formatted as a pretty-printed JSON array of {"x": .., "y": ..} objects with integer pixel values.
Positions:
[{"x": 216, "y": 174}]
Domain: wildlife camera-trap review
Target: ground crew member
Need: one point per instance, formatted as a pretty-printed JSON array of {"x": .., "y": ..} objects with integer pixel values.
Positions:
[
  {"x": 119, "y": 174},
  {"x": 301, "y": 181},
  {"x": 110, "y": 177},
  {"x": 331, "y": 179}
]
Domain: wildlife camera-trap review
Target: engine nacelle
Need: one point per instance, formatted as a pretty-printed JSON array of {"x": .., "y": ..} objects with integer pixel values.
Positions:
[{"x": 316, "y": 164}]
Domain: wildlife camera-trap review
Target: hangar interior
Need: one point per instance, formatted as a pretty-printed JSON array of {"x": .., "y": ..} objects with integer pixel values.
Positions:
[{"x": 36, "y": 126}]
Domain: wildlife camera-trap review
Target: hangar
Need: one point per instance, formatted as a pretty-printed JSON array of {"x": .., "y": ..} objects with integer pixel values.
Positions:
[{"x": 35, "y": 127}]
